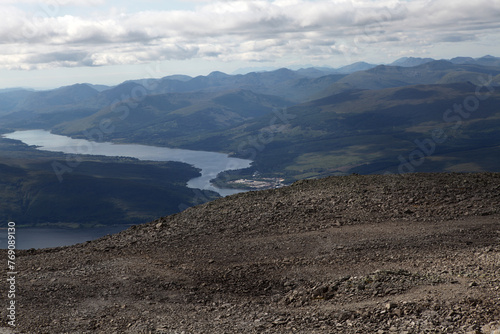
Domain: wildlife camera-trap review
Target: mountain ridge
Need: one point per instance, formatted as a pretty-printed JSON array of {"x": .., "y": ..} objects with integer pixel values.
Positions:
[{"x": 356, "y": 107}]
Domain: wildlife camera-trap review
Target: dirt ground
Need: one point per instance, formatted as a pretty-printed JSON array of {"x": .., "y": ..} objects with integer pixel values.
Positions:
[{"x": 416, "y": 253}]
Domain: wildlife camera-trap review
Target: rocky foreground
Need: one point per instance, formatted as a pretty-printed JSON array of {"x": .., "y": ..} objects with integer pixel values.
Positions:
[{"x": 413, "y": 253}]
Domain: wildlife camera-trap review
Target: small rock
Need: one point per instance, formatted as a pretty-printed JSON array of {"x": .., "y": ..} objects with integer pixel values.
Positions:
[
  {"x": 390, "y": 306},
  {"x": 280, "y": 321},
  {"x": 319, "y": 293},
  {"x": 491, "y": 328}
]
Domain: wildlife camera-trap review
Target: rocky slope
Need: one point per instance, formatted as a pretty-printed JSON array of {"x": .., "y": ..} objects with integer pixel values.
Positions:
[{"x": 415, "y": 253}]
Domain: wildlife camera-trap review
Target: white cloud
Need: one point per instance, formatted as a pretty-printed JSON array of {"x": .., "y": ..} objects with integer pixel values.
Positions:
[
  {"x": 237, "y": 30},
  {"x": 46, "y": 4}
]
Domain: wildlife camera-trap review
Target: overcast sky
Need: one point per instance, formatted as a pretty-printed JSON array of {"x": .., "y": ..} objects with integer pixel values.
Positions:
[{"x": 50, "y": 43}]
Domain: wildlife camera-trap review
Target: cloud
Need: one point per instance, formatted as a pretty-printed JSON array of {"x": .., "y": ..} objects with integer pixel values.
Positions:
[
  {"x": 251, "y": 30},
  {"x": 455, "y": 38},
  {"x": 61, "y": 57},
  {"x": 51, "y": 4}
]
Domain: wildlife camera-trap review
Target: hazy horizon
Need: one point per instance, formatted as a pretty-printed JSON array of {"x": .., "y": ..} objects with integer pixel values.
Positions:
[
  {"x": 53, "y": 43},
  {"x": 236, "y": 72}
]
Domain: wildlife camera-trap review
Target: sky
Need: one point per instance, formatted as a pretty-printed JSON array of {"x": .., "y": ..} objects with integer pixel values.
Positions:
[{"x": 51, "y": 43}]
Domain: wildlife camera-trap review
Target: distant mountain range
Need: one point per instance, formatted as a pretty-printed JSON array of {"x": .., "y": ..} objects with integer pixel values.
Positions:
[
  {"x": 360, "y": 117},
  {"x": 362, "y": 66}
]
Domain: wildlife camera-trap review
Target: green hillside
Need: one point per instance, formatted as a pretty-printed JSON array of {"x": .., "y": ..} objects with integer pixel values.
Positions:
[
  {"x": 173, "y": 119},
  {"x": 367, "y": 132}
]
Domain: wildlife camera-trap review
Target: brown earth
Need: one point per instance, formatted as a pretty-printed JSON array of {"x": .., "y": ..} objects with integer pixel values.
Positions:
[{"x": 415, "y": 253}]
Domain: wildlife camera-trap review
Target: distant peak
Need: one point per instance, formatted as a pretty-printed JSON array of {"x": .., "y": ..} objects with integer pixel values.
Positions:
[
  {"x": 439, "y": 64},
  {"x": 283, "y": 70},
  {"x": 355, "y": 67},
  {"x": 77, "y": 86},
  {"x": 411, "y": 61},
  {"x": 462, "y": 60},
  {"x": 178, "y": 77},
  {"x": 218, "y": 74}
]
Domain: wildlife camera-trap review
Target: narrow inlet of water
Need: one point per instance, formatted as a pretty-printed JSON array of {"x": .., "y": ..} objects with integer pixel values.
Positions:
[{"x": 210, "y": 163}]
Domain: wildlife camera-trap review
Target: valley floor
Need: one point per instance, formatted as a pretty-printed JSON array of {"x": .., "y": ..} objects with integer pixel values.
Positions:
[{"x": 357, "y": 254}]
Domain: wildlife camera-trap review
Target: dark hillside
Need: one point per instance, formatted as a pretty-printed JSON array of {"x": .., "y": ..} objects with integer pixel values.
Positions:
[{"x": 95, "y": 191}]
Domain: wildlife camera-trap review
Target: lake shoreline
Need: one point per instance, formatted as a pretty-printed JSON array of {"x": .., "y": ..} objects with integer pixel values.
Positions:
[{"x": 210, "y": 163}]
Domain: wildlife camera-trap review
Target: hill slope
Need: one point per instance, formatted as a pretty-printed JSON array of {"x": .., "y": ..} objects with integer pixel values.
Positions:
[
  {"x": 356, "y": 254},
  {"x": 170, "y": 119},
  {"x": 366, "y": 131}
]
